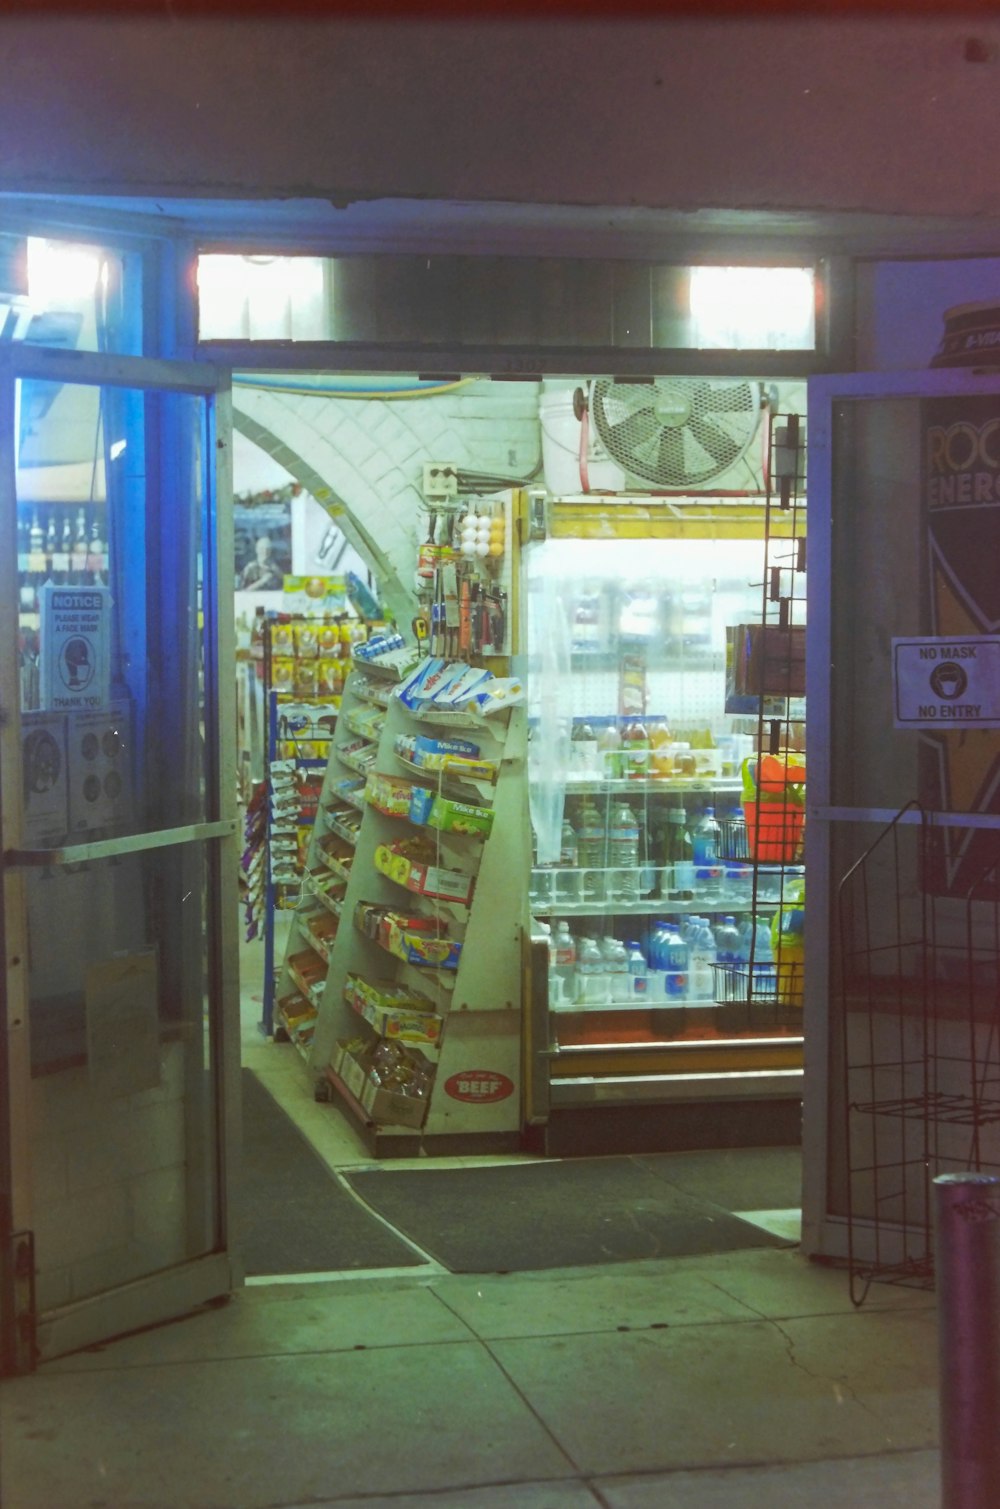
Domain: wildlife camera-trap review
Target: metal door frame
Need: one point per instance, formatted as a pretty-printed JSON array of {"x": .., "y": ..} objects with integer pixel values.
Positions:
[
  {"x": 823, "y": 1232},
  {"x": 177, "y": 1290}
]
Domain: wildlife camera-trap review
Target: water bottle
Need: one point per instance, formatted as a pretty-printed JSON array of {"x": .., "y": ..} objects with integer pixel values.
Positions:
[
  {"x": 567, "y": 877},
  {"x": 764, "y": 978},
  {"x": 583, "y": 758},
  {"x": 590, "y": 980},
  {"x": 638, "y": 969},
  {"x": 563, "y": 955},
  {"x": 727, "y": 942},
  {"x": 616, "y": 969},
  {"x": 701, "y": 950},
  {"x": 705, "y": 853},
  {"x": 675, "y": 959},
  {"x": 591, "y": 843},
  {"x": 623, "y": 852}
]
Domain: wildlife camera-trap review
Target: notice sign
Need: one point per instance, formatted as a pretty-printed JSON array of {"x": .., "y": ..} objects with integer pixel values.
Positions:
[
  {"x": 946, "y": 683},
  {"x": 74, "y": 648}
]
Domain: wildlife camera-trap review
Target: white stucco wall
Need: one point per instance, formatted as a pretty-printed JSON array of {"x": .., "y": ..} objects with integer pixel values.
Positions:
[{"x": 363, "y": 458}]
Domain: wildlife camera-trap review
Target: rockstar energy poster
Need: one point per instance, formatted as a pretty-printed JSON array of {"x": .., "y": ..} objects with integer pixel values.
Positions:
[{"x": 960, "y": 766}]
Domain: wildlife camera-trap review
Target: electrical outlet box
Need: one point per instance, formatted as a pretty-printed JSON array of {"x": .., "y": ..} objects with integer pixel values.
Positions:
[{"x": 440, "y": 481}]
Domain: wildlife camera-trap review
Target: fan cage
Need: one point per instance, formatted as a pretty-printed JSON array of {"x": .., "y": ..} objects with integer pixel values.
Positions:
[{"x": 677, "y": 433}]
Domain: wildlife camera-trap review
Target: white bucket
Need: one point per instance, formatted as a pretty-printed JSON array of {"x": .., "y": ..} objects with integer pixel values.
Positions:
[{"x": 561, "y": 447}]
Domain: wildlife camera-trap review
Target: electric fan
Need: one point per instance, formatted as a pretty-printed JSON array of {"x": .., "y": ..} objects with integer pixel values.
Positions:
[{"x": 675, "y": 432}]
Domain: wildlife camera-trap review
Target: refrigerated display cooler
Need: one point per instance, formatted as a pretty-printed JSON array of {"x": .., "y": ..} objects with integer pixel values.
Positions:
[{"x": 664, "y": 975}]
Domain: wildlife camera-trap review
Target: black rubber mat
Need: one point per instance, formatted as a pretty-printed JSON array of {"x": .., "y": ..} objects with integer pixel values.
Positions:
[
  {"x": 739, "y": 1178},
  {"x": 294, "y": 1217},
  {"x": 513, "y": 1218}
]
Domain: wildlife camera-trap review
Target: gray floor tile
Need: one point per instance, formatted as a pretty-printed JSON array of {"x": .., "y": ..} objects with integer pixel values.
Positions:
[
  {"x": 262, "y": 1432},
  {"x": 703, "y": 1396},
  {"x": 608, "y": 1300},
  {"x": 887, "y": 1360},
  {"x": 572, "y": 1495},
  {"x": 908, "y": 1480},
  {"x": 271, "y": 1321},
  {"x": 778, "y": 1282}
]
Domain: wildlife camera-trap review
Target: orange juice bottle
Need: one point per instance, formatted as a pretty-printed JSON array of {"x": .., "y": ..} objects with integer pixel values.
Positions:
[{"x": 660, "y": 761}]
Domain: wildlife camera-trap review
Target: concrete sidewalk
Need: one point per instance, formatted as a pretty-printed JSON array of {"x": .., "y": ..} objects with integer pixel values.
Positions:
[{"x": 744, "y": 1380}]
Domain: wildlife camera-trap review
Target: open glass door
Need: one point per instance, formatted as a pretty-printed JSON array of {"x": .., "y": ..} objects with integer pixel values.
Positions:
[
  {"x": 903, "y": 832},
  {"x": 119, "y": 874}
]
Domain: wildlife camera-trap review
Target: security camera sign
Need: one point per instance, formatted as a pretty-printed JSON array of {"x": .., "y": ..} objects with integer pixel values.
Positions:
[
  {"x": 74, "y": 647},
  {"x": 947, "y": 683}
]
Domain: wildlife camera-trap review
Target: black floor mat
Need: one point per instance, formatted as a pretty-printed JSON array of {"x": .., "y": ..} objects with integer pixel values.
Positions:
[
  {"x": 294, "y": 1217},
  {"x": 739, "y": 1178},
  {"x": 562, "y": 1214}
]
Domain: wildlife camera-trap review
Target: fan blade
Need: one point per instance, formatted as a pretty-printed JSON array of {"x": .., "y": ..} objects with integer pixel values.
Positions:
[
  {"x": 714, "y": 441},
  {"x": 670, "y": 464},
  {"x": 623, "y": 404}
]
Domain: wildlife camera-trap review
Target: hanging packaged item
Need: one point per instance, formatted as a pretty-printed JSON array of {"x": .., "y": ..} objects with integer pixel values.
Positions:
[{"x": 774, "y": 806}]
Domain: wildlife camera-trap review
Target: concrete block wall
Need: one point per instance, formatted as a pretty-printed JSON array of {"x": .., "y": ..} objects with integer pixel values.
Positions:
[
  {"x": 110, "y": 1178},
  {"x": 363, "y": 458}
]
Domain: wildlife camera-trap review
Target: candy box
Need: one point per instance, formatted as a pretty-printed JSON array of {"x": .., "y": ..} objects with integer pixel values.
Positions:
[
  {"x": 459, "y": 817},
  {"x": 443, "y": 885},
  {"x": 389, "y": 794},
  {"x": 415, "y": 948},
  {"x": 421, "y": 803}
]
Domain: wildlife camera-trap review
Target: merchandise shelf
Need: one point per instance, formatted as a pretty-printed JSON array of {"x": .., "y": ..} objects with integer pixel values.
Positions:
[{"x": 477, "y": 1005}]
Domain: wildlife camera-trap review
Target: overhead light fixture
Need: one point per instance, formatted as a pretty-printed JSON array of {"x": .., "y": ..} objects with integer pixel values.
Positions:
[
  {"x": 747, "y": 308},
  {"x": 61, "y": 274}
]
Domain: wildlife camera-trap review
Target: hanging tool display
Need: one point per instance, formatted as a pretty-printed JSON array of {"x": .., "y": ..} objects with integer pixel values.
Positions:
[{"x": 458, "y": 569}]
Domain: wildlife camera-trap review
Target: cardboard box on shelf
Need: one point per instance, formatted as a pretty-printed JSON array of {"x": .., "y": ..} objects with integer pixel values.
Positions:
[
  {"x": 770, "y": 660},
  {"x": 390, "y": 1108}
]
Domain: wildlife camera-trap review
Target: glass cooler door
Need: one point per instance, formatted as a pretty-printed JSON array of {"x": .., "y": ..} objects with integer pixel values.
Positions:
[{"x": 642, "y": 883}]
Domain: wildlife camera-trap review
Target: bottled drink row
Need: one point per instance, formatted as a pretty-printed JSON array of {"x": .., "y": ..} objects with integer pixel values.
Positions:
[
  {"x": 640, "y": 749},
  {"x": 683, "y": 961},
  {"x": 59, "y": 530},
  {"x": 613, "y": 852}
]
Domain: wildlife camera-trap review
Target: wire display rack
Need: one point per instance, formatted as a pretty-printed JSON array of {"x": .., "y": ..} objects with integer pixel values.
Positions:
[{"x": 919, "y": 1002}]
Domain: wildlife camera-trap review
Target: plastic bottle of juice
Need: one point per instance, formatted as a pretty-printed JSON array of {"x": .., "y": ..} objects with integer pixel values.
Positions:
[
  {"x": 635, "y": 750},
  {"x": 661, "y": 762},
  {"x": 583, "y": 756},
  {"x": 609, "y": 744}
]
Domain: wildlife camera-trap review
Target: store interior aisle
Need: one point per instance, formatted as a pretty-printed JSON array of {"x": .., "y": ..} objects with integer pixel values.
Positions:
[{"x": 473, "y": 1214}]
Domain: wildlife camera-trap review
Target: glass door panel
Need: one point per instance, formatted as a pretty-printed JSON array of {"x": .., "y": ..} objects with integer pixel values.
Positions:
[
  {"x": 118, "y": 827},
  {"x": 903, "y": 840}
]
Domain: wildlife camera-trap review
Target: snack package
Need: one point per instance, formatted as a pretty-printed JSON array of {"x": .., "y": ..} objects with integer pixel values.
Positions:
[
  {"x": 459, "y": 817},
  {"x": 306, "y": 636},
  {"x": 283, "y": 674},
  {"x": 501, "y": 692},
  {"x": 282, "y": 640}
]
